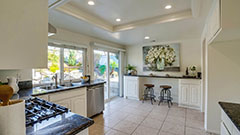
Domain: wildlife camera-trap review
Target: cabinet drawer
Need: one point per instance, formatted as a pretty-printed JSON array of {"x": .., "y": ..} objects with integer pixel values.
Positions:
[
  {"x": 67, "y": 94},
  {"x": 190, "y": 81}
]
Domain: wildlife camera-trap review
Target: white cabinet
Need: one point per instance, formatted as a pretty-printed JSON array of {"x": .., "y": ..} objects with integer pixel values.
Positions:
[
  {"x": 75, "y": 100},
  {"x": 190, "y": 93},
  {"x": 65, "y": 103},
  {"x": 23, "y": 34},
  {"x": 227, "y": 126},
  {"x": 78, "y": 103},
  {"x": 214, "y": 21},
  {"x": 131, "y": 87}
]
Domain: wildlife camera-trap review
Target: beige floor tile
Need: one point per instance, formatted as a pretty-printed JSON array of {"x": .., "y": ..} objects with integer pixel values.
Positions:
[
  {"x": 118, "y": 115},
  {"x": 175, "y": 120},
  {"x": 193, "y": 131},
  {"x": 97, "y": 129},
  {"x": 108, "y": 122},
  {"x": 173, "y": 128},
  {"x": 134, "y": 118},
  {"x": 157, "y": 115},
  {"x": 165, "y": 133},
  {"x": 195, "y": 124},
  {"x": 177, "y": 112},
  {"x": 142, "y": 130},
  {"x": 115, "y": 132},
  {"x": 126, "y": 127},
  {"x": 152, "y": 123}
]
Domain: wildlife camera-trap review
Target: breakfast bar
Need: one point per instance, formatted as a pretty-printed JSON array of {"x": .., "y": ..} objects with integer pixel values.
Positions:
[{"x": 186, "y": 91}]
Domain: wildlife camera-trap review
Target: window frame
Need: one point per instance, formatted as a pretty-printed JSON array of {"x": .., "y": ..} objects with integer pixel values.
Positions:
[{"x": 62, "y": 47}]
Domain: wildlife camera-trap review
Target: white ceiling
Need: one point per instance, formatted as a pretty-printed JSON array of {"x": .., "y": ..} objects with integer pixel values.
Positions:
[{"x": 132, "y": 11}]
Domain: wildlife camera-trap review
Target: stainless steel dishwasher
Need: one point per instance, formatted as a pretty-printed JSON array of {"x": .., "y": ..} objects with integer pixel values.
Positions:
[{"x": 95, "y": 100}]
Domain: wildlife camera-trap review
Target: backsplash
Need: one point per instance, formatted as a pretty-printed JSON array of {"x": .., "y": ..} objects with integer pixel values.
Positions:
[{"x": 25, "y": 85}]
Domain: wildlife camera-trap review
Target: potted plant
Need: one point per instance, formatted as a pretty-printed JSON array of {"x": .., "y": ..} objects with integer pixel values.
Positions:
[
  {"x": 193, "y": 70},
  {"x": 130, "y": 69}
]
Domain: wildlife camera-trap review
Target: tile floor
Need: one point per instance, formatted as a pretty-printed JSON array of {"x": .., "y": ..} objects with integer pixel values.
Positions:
[{"x": 131, "y": 117}]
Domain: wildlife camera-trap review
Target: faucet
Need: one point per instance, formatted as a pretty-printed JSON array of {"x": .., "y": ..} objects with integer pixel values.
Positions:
[{"x": 55, "y": 78}]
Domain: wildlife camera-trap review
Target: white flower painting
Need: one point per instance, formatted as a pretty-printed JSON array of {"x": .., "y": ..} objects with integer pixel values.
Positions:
[{"x": 161, "y": 57}]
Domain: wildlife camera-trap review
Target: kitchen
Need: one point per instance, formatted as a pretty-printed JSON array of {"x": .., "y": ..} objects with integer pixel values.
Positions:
[{"x": 119, "y": 67}]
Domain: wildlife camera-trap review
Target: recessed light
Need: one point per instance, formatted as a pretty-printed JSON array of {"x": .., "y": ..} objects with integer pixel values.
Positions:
[
  {"x": 91, "y": 3},
  {"x": 118, "y": 19},
  {"x": 168, "y": 6},
  {"x": 147, "y": 37}
]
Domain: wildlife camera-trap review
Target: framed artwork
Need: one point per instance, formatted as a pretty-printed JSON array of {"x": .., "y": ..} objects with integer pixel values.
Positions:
[{"x": 164, "y": 57}]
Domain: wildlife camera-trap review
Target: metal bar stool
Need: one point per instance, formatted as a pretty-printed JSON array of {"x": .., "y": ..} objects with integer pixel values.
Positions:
[
  {"x": 165, "y": 95},
  {"x": 149, "y": 93}
]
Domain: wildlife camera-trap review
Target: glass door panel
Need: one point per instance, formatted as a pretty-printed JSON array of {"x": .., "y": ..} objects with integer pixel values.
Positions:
[
  {"x": 100, "y": 68},
  {"x": 114, "y": 74}
]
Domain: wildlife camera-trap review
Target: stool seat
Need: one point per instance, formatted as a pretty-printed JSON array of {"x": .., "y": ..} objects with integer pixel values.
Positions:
[
  {"x": 149, "y": 85},
  {"x": 165, "y": 95},
  {"x": 149, "y": 93},
  {"x": 165, "y": 86}
]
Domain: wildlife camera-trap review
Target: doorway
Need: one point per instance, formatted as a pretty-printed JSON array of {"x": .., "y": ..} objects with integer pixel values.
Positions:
[{"x": 106, "y": 67}]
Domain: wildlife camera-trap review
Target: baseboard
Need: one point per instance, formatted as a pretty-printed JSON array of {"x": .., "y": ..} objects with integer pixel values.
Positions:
[{"x": 213, "y": 132}]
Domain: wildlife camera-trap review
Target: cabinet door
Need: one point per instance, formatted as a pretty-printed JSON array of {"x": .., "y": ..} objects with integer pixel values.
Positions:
[
  {"x": 65, "y": 103},
  {"x": 132, "y": 88},
  {"x": 79, "y": 105},
  {"x": 195, "y": 95},
  {"x": 184, "y": 94}
]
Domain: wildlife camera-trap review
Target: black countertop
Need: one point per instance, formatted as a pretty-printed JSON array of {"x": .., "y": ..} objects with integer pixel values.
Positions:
[
  {"x": 27, "y": 93},
  {"x": 171, "y": 77},
  {"x": 233, "y": 112},
  {"x": 65, "y": 124}
]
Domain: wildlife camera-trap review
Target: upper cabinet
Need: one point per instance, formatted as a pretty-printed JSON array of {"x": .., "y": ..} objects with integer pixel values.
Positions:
[
  {"x": 23, "y": 34},
  {"x": 214, "y": 21}
]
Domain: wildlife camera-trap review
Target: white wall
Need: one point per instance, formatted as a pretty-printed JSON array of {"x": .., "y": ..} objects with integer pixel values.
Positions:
[
  {"x": 67, "y": 37},
  {"x": 223, "y": 79},
  {"x": 190, "y": 54}
]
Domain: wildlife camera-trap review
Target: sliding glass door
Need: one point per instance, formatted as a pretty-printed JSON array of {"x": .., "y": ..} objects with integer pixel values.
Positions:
[
  {"x": 100, "y": 68},
  {"x": 106, "y": 67},
  {"x": 114, "y": 74}
]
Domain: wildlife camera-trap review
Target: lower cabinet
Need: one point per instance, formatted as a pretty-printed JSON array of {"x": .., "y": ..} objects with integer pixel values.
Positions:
[
  {"x": 75, "y": 100},
  {"x": 79, "y": 105},
  {"x": 190, "y": 93},
  {"x": 131, "y": 87}
]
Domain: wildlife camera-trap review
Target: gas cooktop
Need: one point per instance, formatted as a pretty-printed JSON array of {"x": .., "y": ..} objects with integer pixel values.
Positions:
[{"x": 37, "y": 110}]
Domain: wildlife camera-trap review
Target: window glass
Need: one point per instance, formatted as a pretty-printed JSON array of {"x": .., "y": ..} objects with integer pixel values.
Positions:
[
  {"x": 45, "y": 75},
  {"x": 73, "y": 64}
]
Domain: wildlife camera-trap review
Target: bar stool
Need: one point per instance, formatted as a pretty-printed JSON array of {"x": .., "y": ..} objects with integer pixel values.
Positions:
[
  {"x": 149, "y": 93},
  {"x": 165, "y": 95}
]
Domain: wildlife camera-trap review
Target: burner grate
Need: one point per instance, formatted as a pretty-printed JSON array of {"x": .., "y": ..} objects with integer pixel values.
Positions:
[{"x": 37, "y": 110}]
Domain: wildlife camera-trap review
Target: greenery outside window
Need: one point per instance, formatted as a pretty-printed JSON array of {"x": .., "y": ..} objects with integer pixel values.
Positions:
[{"x": 65, "y": 61}]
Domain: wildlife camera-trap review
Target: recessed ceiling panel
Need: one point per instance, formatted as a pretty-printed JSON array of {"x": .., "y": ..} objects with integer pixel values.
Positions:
[{"x": 130, "y": 10}]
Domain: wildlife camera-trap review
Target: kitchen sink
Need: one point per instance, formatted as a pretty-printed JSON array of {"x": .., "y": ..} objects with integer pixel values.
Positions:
[{"x": 50, "y": 87}]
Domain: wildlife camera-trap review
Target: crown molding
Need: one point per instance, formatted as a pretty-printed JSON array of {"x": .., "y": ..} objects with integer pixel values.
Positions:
[
  {"x": 99, "y": 22},
  {"x": 155, "y": 20},
  {"x": 79, "y": 14}
]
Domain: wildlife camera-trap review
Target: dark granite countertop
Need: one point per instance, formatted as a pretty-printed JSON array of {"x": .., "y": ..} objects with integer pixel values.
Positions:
[
  {"x": 233, "y": 112},
  {"x": 171, "y": 77},
  {"x": 65, "y": 124},
  {"x": 27, "y": 93}
]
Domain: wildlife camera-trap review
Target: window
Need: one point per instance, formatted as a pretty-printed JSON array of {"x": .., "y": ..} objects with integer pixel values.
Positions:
[
  {"x": 67, "y": 62},
  {"x": 73, "y": 64}
]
